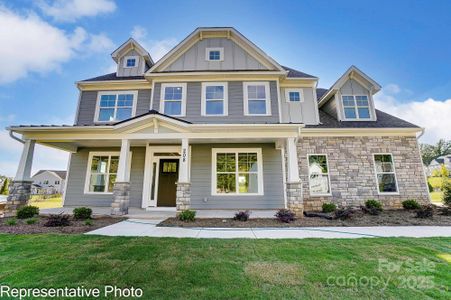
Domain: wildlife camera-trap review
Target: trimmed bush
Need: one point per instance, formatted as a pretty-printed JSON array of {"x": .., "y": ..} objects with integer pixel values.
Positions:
[
  {"x": 373, "y": 204},
  {"x": 285, "y": 215},
  {"x": 57, "y": 220},
  {"x": 425, "y": 212},
  {"x": 447, "y": 194},
  {"x": 82, "y": 213},
  {"x": 27, "y": 212},
  {"x": 31, "y": 221},
  {"x": 411, "y": 204},
  {"x": 11, "y": 222},
  {"x": 329, "y": 207},
  {"x": 242, "y": 216},
  {"x": 187, "y": 215}
]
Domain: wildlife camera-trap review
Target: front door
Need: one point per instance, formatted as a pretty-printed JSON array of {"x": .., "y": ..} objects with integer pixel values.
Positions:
[{"x": 168, "y": 176}]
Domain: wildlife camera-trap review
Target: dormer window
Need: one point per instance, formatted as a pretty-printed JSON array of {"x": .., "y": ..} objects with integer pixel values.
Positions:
[
  {"x": 356, "y": 107},
  {"x": 214, "y": 54},
  {"x": 130, "y": 61}
]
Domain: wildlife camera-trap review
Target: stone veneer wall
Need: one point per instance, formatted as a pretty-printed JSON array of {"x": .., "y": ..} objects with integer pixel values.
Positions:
[{"x": 352, "y": 173}]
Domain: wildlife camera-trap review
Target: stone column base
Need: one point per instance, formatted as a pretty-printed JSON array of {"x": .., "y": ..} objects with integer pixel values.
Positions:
[
  {"x": 295, "y": 201},
  {"x": 183, "y": 198},
  {"x": 121, "y": 198},
  {"x": 19, "y": 194}
]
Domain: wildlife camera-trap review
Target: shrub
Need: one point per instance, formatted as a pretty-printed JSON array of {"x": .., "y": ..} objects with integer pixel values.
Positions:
[
  {"x": 425, "y": 212},
  {"x": 411, "y": 204},
  {"x": 187, "y": 215},
  {"x": 344, "y": 213},
  {"x": 57, "y": 220},
  {"x": 329, "y": 207},
  {"x": 11, "y": 222},
  {"x": 27, "y": 212},
  {"x": 82, "y": 213},
  {"x": 285, "y": 215},
  {"x": 242, "y": 216},
  {"x": 32, "y": 221},
  {"x": 373, "y": 204},
  {"x": 447, "y": 193},
  {"x": 430, "y": 188},
  {"x": 89, "y": 222}
]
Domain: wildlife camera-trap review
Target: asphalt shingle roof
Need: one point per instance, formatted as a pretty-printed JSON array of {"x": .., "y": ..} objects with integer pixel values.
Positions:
[
  {"x": 320, "y": 92},
  {"x": 112, "y": 76},
  {"x": 292, "y": 73}
]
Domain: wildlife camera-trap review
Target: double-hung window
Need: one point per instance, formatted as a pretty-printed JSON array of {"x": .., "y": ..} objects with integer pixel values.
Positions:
[
  {"x": 237, "y": 171},
  {"x": 385, "y": 174},
  {"x": 214, "y": 99},
  {"x": 102, "y": 170},
  {"x": 356, "y": 107},
  {"x": 116, "y": 106},
  {"x": 173, "y": 99},
  {"x": 319, "y": 181},
  {"x": 256, "y": 99}
]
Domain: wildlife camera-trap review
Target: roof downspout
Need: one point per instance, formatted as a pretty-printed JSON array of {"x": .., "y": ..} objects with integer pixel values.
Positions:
[
  {"x": 15, "y": 137},
  {"x": 421, "y": 134}
]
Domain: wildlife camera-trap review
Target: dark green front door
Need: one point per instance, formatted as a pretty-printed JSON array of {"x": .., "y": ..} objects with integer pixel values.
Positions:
[{"x": 167, "y": 188}]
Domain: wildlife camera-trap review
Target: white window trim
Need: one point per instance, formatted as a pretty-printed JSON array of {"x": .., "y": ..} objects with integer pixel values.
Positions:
[
  {"x": 88, "y": 170},
  {"x": 214, "y": 151},
  {"x": 328, "y": 175},
  {"x": 356, "y": 109},
  {"x": 162, "y": 100},
  {"x": 117, "y": 93},
  {"x": 204, "y": 99},
  {"x": 246, "y": 98},
  {"x": 301, "y": 95},
  {"x": 131, "y": 57},
  {"x": 221, "y": 53},
  {"x": 376, "y": 172}
]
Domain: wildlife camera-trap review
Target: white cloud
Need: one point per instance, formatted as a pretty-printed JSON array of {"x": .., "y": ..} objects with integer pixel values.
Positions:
[
  {"x": 433, "y": 115},
  {"x": 71, "y": 10},
  {"x": 156, "y": 48},
  {"x": 36, "y": 46}
]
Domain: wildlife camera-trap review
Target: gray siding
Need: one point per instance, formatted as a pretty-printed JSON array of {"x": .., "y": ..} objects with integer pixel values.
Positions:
[
  {"x": 136, "y": 71},
  {"x": 77, "y": 173},
  {"x": 235, "y": 105},
  {"x": 201, "y": 180},
  {"x": 330, "y": 107},
  {"x": 299, "y": 112},
  {"x": 87, "y": 107},
  {"x": 235, "y": 57}
]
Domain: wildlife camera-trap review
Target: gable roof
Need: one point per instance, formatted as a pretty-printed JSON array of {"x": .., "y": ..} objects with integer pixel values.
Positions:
[
  {"x": 59, "y": 173},
  {"x": 203, "y": 32},
  {"x": 155, "y": 113},
  {"x": 352, "y": 73},
  {"x": 132, "y": 44}
]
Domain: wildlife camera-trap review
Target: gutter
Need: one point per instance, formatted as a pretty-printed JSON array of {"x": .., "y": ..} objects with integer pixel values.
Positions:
[
  {"x": 15, "y": 137},
  {"x": 422, "y": 132}
]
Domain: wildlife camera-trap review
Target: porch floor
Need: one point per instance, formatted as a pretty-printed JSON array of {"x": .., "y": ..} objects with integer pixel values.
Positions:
[{"x": 161, "y": 213}]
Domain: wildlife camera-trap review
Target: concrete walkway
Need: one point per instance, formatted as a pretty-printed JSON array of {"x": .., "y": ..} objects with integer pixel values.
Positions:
[{"x": 139, "y": 227}]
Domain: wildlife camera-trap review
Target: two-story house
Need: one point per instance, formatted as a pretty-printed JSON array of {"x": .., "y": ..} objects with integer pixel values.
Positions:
[
  {"x": 218, "y": 124},
  {"x": 48, "y": 182}
]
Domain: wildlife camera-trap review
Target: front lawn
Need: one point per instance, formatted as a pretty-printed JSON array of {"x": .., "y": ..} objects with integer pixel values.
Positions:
[
  {"x": 168, "y": 268},
  {"x": 437, "y": 197},
  {"x": 42, "y": 202}
]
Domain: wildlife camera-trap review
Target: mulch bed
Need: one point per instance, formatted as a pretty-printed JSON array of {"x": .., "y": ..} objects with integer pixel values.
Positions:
[
  {"x": 76, "y": 226},
  {"x": 358, "y": 219}
]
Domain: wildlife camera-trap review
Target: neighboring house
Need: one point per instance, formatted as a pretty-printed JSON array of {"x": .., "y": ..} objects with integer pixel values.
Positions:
[
  {"x": 48, "y": 182},
  {"x": 437, "y": 163},
  {"x": 218, "y": 124}
]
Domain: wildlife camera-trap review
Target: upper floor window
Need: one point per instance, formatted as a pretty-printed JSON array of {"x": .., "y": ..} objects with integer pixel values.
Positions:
[
  {"x": 214, "y": 54},
  {"x": 294, "y": 95},
  {"x": 256, "y": 99},
  {"x": 116, "y": 106},
  {"x": 130, "y": 61},
  {"x": 385, "y": 173},
  {"x": 173, "y": 99},
  {"x": 57, "y": 182},
  {"x": 356, "y": 107},
  {"x": 214, "y": 99}
]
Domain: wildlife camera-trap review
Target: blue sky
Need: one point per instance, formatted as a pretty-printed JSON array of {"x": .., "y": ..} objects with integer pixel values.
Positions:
[{"x": 403, "y": 45}]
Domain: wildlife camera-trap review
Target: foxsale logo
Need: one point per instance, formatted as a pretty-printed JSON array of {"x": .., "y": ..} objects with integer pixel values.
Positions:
[{"x": 70, "y": 292}]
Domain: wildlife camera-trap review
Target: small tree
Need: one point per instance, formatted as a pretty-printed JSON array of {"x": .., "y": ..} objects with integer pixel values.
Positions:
[
  {"x": 435, "y": 173},
  {"x": 4, "y": 189},
  {"x": 447, "y": 193},
  {"x": 444, "y": 171}
]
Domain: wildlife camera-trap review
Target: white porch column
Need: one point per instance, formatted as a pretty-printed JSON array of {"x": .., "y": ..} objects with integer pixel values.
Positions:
[
  {"x": 294, "y": 185},
  {"x": 184, "y": 162},
  {"x": 292, "y": 160},
  {"x": 124, "y": 157},
  {"x": 121, "y": 189},
  {"x": 26, "y": 160},
  {"x": 20, "y": 188},
  {"x": 183, "y": 197}
]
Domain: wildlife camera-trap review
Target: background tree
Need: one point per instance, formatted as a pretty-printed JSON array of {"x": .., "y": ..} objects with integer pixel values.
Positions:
[
  {"x": 4, "y": 189},
  {"x": 431, "y": 152}
]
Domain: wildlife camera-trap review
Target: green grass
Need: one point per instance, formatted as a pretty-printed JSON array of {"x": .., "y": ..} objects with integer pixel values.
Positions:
[
  {"x": 437, "y": 182},
  {"x": 167, "y": 268},
  {"x": 437, "y": 197},
  {"x": 39, "y": 201}
]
